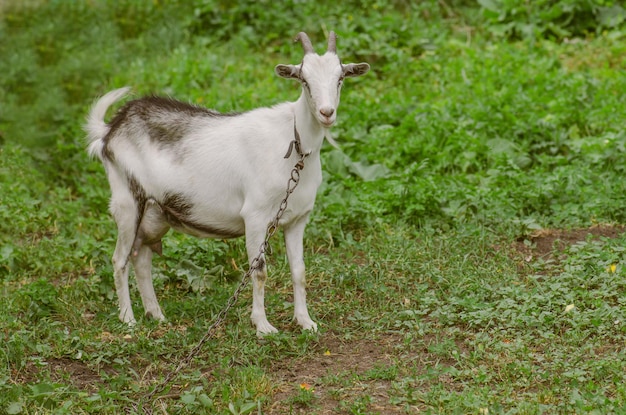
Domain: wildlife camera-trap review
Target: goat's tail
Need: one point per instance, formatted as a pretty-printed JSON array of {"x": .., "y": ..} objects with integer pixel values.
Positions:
[{"x": 96, "y": 127}]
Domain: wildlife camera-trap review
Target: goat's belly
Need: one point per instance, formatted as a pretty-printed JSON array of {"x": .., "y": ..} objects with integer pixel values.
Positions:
[
  {"x": 202, "y": 230},
  {"x": 181, "y": 216}
]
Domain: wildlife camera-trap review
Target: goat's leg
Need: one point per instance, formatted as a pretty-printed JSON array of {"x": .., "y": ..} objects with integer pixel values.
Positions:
[
  {"x": 142, "y": 262},
  {"x": 294, "y": 234},
  {"x": 120, "y": 274},
  {"x": 148, "y": 240},
  {"x": 254, "y": 239},
  {"x": 125, "y": 216},
  {"x": 124, "y": 209}
]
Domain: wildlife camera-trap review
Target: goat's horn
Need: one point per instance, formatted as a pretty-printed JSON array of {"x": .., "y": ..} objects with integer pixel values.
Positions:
[
  {"x": 306, "y": 42},
  {"x": 332, "y": 42}
]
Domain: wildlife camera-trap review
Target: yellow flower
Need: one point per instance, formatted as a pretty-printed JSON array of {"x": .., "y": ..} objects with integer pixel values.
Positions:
[{"x": 611, "y": 268}]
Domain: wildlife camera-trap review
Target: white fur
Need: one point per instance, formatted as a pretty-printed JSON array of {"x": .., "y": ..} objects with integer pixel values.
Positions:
[{"x": 229, "y": 170}]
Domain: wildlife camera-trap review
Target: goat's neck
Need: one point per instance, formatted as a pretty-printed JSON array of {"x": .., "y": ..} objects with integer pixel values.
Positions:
[{"x": 310, "y": 130}]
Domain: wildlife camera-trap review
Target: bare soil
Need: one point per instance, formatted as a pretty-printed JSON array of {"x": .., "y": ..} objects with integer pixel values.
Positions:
[
  {"x": 351, "y": 360},
  {"x": 548, "y": 244},
  {"x": 75, "y": 372}
]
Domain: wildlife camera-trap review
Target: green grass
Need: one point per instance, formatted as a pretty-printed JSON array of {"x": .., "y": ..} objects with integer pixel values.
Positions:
[{"x": 476, "y": 127}]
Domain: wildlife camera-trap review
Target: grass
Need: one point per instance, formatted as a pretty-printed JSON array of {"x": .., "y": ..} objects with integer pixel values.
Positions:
[{"x": 465, "y": 255}]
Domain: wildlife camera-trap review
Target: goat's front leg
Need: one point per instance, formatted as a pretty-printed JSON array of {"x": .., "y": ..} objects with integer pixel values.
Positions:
[
  {"x": 254, "y": 239},
  {"x": 294, "y": 234}
]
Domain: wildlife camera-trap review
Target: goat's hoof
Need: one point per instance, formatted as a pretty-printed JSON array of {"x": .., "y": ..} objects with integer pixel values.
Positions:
[
  {"x": 305, "y": 322},
  {"x": 128, "y": 318},
  {"x": 309, "y": 325},
  {"x": 156, "y": 315},
  {"x": 265, "y": 329}
]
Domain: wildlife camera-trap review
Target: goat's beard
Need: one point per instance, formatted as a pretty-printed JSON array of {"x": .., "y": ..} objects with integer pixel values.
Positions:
[{"x": 330, "y": 138}]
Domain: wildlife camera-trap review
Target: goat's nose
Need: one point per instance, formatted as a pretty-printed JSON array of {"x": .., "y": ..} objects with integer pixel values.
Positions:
[{"x": 327, "y": 112}]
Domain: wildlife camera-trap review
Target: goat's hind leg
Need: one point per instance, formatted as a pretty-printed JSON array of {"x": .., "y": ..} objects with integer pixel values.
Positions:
[
  {"x": 124, "y": 211},
  {"x": 148, "y": 239},
  {"x": 142, "y": 262}
]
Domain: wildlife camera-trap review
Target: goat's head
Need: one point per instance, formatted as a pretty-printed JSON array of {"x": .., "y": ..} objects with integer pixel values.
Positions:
[{"x": 321, "y": 77}]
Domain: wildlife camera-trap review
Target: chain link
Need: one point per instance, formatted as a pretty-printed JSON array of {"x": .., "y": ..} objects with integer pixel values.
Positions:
[{"x": 256, "y": 264}]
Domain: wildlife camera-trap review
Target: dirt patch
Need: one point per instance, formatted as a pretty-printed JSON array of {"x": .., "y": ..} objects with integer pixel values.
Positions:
[
  {"x": 79, "y": 374},
  {"x": 547, "y": 244},
  {"x": 340, "y": 370},
  {"x": 343, "y": 371}
]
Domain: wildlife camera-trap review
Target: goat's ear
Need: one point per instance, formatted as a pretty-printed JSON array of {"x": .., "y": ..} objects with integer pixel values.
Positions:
[
  {"x": 288, "y": 71},
  {"x": 355, "y": 69}
]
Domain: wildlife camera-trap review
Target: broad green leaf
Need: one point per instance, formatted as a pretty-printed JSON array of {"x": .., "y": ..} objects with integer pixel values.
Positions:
[{"x": 14, "y": 408}]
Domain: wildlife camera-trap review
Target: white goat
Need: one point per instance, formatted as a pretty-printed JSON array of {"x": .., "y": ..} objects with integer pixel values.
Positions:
[{"x": 175, "y": 165}]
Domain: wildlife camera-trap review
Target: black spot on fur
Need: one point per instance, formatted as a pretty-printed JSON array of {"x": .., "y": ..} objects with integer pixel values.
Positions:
[
  {"x": 166, "y": 120},
  {"x": 166, "y": 133},
  {"x": 147, "y": 105},
  {"x": 178, "y": 204},
  {"x": 120, "y": 118},
  {"x": 138, "y": 192},
  {"x": 177, "y": 211}
]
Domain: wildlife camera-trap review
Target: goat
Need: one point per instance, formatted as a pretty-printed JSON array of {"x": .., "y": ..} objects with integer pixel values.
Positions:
[{"x": 176, "y": 165}]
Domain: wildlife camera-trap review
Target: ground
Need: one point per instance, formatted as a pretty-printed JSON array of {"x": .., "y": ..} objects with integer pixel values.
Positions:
[
  {"x": 323, "y": 381},
  {"x": 361, "y": 357}
]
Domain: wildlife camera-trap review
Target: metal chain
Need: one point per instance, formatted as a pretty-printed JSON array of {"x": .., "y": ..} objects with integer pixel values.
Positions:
[{"x": 256, "y": 264}]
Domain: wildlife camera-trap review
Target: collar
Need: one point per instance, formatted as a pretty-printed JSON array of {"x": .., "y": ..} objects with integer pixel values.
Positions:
[{"x": 295, "y": 143}]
